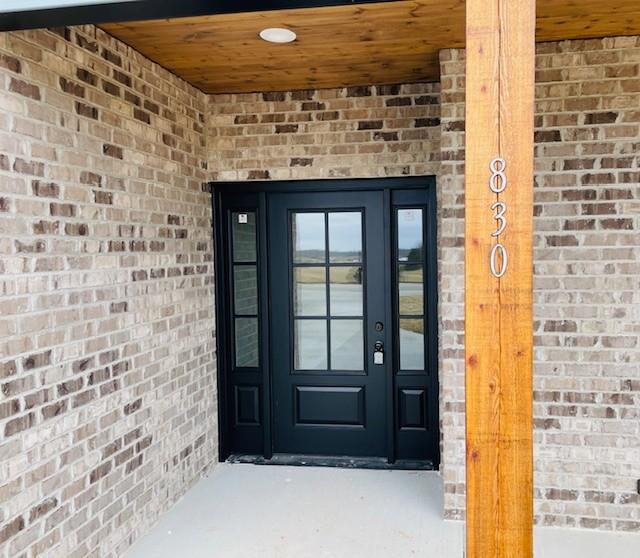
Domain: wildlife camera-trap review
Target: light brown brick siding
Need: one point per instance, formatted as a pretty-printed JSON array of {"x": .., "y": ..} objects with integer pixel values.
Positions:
[
  {"x": 107, "y": 371},
  {"x": 587, "y": 283},
  {"x": 330, "y": 133}
]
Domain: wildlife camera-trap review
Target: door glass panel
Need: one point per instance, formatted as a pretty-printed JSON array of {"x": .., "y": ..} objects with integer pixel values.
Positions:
[
  {"x": 310, "y": 345},
  {"x": 346, "y": 291},
  {"x": 347, "y": 345},
  {"x": 310, "y": 291},
  {"x": 345, "y": 237},
  {"x": 246, "y": 330},
  {"x": 245, "y": 289},
  {"x": 410, "y": 235},
  {"x": 410, "y": 285},
  {"x": 309, "y": 238},
  {"x": 410, "y": 295},
  {"x": 344, "y": 297},
  {"x": 243, "y": 225},
  {"x": 412, "y": 344}
]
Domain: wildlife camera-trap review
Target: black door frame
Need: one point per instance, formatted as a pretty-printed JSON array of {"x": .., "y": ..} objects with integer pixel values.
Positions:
[{"x": 253, "y": 196}]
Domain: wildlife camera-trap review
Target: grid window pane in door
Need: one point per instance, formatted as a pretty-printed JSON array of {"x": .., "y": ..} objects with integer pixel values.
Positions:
[
  {"x": 245, "y": 289},
  {"x": 345, "y": 237},
  {"x": 411, "y": 344},
  {"x": 243, "y": 226},
  {"x": 310, "y": 344},
  {"x": 309, "y": 238},
  {"x": 310, "y": 291},
  {"x": 411, "y": 289},
  {"x": 345, "y": 291},
  {"x": 347, "y": 345},
  {"x": 247, "y": 343},
  {"x": 409, "y": 234}
]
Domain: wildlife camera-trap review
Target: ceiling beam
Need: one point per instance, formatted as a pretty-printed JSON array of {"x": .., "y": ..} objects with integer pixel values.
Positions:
[{"x": 138, "y": 10}]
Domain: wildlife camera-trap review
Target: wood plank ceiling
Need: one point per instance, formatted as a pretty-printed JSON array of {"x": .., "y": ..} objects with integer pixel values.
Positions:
[{"x": 381, "y": 43}]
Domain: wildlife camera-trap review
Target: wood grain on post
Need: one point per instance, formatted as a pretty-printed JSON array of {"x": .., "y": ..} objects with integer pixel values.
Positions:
[{"x": 498, "y": 311}]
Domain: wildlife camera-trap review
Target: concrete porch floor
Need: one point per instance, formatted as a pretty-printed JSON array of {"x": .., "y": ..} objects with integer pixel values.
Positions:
[{"x": 247, "y": 511}]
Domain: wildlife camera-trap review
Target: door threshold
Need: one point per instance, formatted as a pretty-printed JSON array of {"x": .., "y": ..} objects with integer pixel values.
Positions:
[{"x": 377, "y": 463}]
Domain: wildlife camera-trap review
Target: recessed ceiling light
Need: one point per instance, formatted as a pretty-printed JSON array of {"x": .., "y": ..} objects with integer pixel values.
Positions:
[{"x": 278, "y": 35}]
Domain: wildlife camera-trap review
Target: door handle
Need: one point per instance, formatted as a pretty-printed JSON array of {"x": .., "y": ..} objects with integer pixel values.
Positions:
[{"x": 378, "y": 353}]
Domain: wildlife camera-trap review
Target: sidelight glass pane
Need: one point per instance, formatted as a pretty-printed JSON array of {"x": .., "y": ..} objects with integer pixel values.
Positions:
[
  {"x": 346, "y": 291},
  {"x": 310, "y": 291},
  {"x": 308, "y": 238},
  {"x": 410, "y": 284},
  {"x": 243, "y": 225},
  {"x": 310, "y": 347},
  {"x": 245, "y": 289},
  {"x": 247, "y": 343},
  {"x": 411, "y": 344},
  {"x": 345, "y": 237},
  {"x": 347, "y": 345},
  {"x": 410, "y": 235}
]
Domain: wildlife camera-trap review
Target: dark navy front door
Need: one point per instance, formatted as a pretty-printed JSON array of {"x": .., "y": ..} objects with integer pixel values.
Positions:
[{"x": 328, "y": 312}]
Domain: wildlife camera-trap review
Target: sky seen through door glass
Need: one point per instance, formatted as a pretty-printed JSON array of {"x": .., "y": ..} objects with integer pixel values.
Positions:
[
  {"x": 345, "y": 236},
  {"x": 409, "y": 234}
]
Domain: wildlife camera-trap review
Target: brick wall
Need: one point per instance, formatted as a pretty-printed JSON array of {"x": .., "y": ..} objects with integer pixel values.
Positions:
[
  {"x": 107, "y": 372},
  {"x": 329, "y": 133},
  {"x": 587, "y": 286}
]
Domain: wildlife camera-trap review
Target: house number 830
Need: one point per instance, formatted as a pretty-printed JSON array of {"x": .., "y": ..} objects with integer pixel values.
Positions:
[{"x": 498, "y": 184}]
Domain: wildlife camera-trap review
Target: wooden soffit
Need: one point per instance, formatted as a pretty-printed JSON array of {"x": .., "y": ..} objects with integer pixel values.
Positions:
[{"x": 378, "y": 43}]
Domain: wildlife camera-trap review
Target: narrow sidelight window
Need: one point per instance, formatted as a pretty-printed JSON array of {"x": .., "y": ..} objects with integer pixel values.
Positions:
[
  {"x": 245, "y": 289},
  {"x": 410, "y": 281}
]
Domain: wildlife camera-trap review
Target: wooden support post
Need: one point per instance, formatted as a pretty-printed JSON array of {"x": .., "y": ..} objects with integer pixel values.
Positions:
[{"x": 498, "y": 308}]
